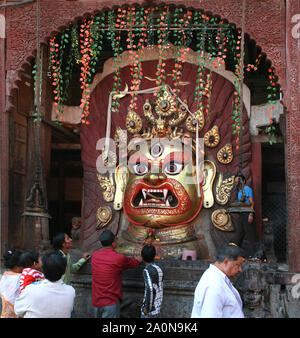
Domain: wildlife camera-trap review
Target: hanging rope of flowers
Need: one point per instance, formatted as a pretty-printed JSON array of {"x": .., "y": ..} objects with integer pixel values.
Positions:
[
  {"x": 61, "y": 68},
  {"x": 237, "y": 103},
  {"x": 86, "y": 41},
  {"x": 136, "y": 48},
  {"x": 162, "y": 45},
  {"x": 116, "y": 22},
  {"x": 200, "y": 71},
  {"x": 75, "y": 44},
  {"x": 207, "y": 76},
  {"x": 150, "y": 22},
  {"x": 82, "y": 44},
  {"x": 272, "y": 94},
  {"x": 91, "y": 47},
  {"x": 97, "y": 35},
  {"x": 204, "y": 77},
  {"x": 57, "y": 78},
  {"x": 254, "y": 66},
  {"x": 181, "y": 46},
  {"x": 200, "y": 82},
  {"x": 221, "y": 40}
]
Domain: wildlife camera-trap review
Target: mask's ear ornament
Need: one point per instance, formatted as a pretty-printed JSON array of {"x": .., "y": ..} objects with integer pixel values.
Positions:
[
  {"x": 107, "y": 185},
  {"x": 209, "y": 174},
  {"x": 121, "y": 178}
]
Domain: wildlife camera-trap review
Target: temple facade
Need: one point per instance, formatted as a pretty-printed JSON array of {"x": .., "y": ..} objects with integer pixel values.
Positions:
[{"x": 220, "y": 79}]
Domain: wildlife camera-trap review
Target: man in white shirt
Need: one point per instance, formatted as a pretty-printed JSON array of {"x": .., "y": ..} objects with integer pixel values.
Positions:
[
  {"x": 215, "y": 296},
  {"x": 50, "y": 298}
]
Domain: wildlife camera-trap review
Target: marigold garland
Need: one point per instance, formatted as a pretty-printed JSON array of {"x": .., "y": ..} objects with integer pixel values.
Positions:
[
  {"x": 114, "y": 35},
  {"x": 237, "y": 102},
  {"x": 136, "y": 48},
  {"x": 146, "y": 26},
  {"x": 181, "y": 46},
  {"x": 162, "y": 45},
  {"x": 86, "y": 41},
  {"x": 57, "y": 78},
  {"x": 204, "y": 77},
  {"x": 272, "y": 95}
]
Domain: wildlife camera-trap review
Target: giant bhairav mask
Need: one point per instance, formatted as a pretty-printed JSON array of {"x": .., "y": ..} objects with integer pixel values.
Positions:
[
  {"x": 160, "y": 189},
  {"x": 121, "y": 202}
]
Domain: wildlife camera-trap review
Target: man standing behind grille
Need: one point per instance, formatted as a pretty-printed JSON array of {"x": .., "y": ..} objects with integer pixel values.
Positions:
[
  {"x": 153, "y": 279},
  {"x": 245, "y": 226}
]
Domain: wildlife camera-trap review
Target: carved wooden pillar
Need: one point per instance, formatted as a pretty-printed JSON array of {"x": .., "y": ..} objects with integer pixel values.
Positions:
[
  {"x": 4, "y": 149},
  {"x": 292, "y": 101},
  {"x": 36, "y": 215}
]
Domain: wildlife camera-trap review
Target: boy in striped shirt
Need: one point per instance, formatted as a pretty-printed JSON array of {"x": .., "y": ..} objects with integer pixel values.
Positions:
[{"x": 153, "y": 279}]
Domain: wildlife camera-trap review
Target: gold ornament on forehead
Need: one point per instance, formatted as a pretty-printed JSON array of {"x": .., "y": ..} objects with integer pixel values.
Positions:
[
  {"x": 212, "y": 137},
  {"x": 165, "y": 105},
  {"x": 191, "y": 122},
  {"x": 163, "y": 117},
  {"x": 179, "y": 115},
  {"x": 134, "y": 122}
]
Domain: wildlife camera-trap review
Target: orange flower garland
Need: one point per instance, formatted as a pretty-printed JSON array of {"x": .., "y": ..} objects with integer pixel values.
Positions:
[
  {"x": 57, "y": 79},
  {"x": 136, "y": 47},
  {"x": 162, "y": 41},
  {"x": 181, "y": 47},
  {"x": 144, "y": 27},
  {"x": 85, "y": 49}
]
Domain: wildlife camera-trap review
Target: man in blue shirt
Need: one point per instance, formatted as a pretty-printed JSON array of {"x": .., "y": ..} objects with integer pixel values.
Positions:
[{"x": 245, "y": 227}]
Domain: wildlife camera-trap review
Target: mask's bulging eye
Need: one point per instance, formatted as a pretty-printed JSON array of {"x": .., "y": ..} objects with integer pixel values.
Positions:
[
  {"x": 173, "y": 168},
  {"x": 140, "y": 168}
]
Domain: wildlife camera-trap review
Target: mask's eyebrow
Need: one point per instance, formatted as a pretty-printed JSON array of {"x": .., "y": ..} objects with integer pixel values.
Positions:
[
  {"x": 178, "y": 156},
  {"x": 137, "y": 158}
]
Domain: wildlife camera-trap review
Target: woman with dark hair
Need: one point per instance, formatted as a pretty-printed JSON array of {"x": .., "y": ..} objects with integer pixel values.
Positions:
[
  {"x": 31, "y": 261},
  {"x": 9, "y": 284},
  {"x": 58, "y": 241}
]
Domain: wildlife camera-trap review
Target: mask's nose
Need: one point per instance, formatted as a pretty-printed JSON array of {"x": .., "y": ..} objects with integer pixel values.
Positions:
[{"x": 155, "y": 179}]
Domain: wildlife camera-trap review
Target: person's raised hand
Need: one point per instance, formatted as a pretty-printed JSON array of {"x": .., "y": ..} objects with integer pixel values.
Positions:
[{"x": 86, "y": 255}]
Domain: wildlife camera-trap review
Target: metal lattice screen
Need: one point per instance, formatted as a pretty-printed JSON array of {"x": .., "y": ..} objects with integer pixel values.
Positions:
[{"x": 274, "y": 208}]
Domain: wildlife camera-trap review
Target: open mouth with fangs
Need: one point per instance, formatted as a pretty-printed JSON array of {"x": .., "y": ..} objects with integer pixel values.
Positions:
[{"x": 152, "y": 197}]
